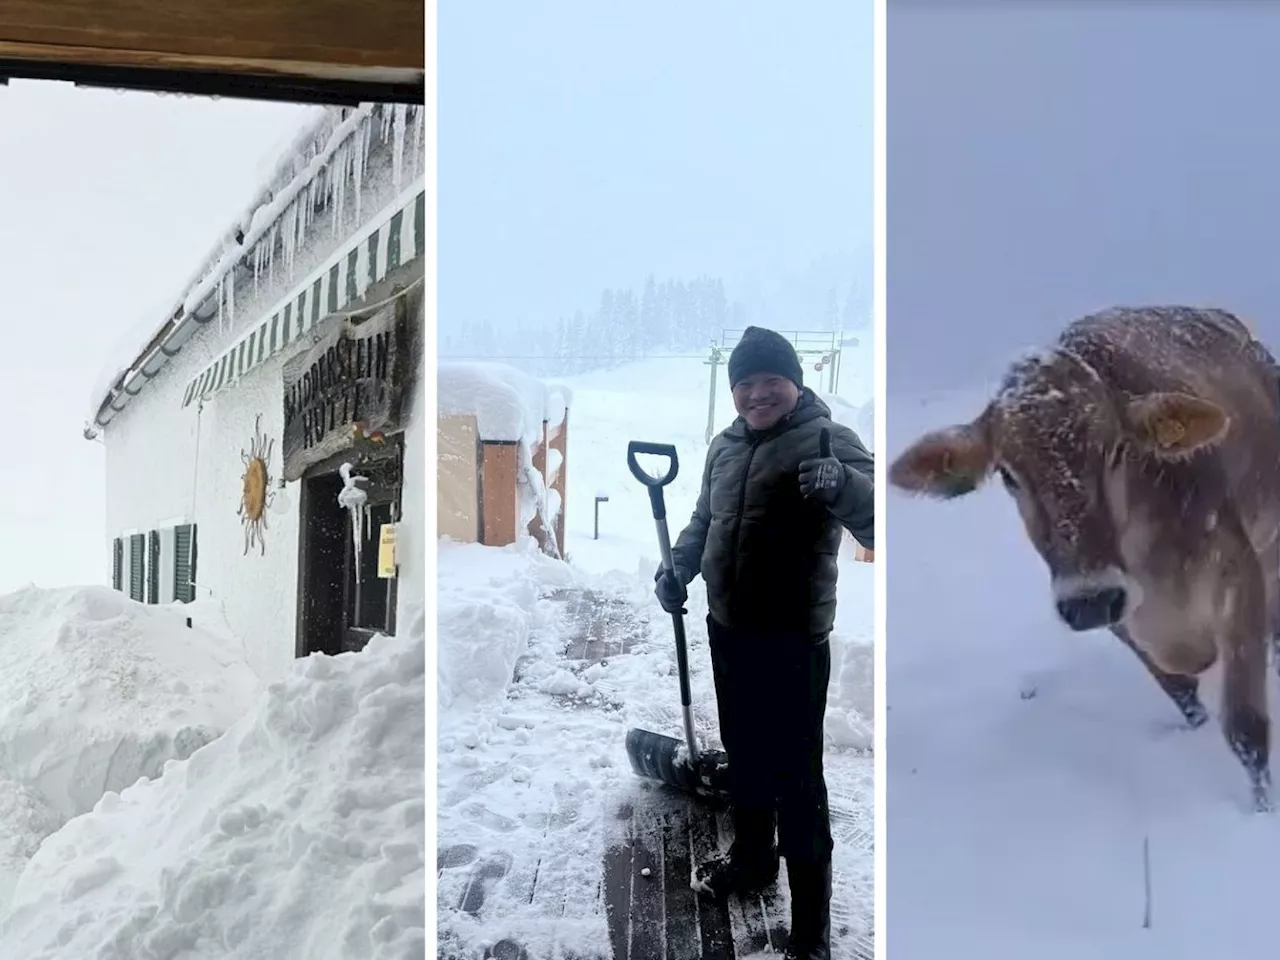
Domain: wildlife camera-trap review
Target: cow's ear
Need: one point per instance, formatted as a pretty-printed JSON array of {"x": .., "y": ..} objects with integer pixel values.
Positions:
[
  {"x": 946, "y": 463},
  {"x": 1175, "y": 425}
]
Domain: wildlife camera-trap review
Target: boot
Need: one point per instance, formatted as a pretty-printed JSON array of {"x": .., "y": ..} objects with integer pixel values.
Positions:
[
  {"x": 810, "y": 911},
  {"x": 752, "y": 863},
  {"x": 722, "y": 876}
]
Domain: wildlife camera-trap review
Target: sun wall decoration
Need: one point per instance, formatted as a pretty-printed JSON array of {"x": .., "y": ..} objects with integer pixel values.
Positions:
[{"x": 255, "y": 490}]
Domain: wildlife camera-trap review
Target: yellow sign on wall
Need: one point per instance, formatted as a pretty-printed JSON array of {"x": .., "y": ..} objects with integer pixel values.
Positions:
[{"x": 387, "y": 551}]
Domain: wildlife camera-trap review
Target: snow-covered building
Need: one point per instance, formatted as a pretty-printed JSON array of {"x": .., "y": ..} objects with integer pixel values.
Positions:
[
  {"x": 501, "y": 438},
  {"x": 262, "y": 438}
]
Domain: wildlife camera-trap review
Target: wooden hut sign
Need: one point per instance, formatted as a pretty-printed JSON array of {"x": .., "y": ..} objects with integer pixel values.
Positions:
[{"x": 349, "y": 384}]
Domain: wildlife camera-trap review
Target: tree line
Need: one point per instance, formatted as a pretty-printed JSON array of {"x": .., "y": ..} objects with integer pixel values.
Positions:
[{"x": 682, "y": 317}]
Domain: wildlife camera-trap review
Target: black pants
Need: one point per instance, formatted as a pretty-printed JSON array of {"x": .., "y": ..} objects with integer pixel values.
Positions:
[{"x": 772, "y": 694}]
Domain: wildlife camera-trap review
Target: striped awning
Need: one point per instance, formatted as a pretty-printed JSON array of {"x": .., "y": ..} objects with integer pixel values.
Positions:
[{"x": 392, "y": 239}]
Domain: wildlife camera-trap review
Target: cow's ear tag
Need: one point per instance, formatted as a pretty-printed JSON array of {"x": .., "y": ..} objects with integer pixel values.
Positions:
[
  {"x": 1175, "y": 424},
  {"x": 1169, "y": 432}
]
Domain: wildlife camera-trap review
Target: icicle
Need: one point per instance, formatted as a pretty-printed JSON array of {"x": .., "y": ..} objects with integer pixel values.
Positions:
[
  {"x": 386, "y": 122},
  {"x": 301, "y": 221},
  {"x": 289, "y": 236},
  {"x": 397, "y": 151},
  {"x": 357, "y": 171},
  {"x": 230, "y": 281},
  {"x": 419, "y": 122},
  {"x": 341, "y": 165},
  {"x": 356, "y": 501}
]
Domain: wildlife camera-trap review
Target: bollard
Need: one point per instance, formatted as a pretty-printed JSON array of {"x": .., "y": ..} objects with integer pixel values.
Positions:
[{"x": 599, "y": 500}]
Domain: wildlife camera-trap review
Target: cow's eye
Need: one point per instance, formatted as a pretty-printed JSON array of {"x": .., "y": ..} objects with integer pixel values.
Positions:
[{"x": 1007, "y": 478}]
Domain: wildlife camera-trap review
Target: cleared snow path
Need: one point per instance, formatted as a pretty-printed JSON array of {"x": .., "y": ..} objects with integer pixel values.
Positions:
[{"x": 537, "y": 800}]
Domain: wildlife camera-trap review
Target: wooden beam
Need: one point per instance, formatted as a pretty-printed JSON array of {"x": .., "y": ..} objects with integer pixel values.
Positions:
[{"x": 318, "y": 50}]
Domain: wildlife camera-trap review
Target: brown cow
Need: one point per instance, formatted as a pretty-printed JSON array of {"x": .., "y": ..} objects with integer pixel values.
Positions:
[{"x": 1143, "y": 451}]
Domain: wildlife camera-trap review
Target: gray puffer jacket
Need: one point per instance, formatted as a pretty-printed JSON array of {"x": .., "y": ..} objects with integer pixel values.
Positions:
[{"x": 768, "y": 555}]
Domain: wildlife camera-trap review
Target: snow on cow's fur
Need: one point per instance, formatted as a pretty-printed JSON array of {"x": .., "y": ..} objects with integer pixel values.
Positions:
[{"x": 1143, "y": 452}]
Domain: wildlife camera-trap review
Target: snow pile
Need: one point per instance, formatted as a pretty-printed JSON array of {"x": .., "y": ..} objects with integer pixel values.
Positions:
[
  {"x": 297, "y": 834},
  {"x": 26, "y": 818},
  {"x": 860, "y": 419},
  {"x": 488, "y": 604},
  {"x": 98, "y": 691}
]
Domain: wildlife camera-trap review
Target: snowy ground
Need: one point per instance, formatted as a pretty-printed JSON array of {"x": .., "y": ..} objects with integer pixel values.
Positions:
[
  {"x": 296, "y": 833},
  {"x": 520, "y": 774},
  {"x": 96, "y": 692},
  {"x": 1027, "y": 766}
]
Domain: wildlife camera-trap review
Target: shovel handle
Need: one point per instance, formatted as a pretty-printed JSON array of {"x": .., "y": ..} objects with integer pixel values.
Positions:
[
  {"x": 652, "y": 483},
  {"x": 667, "y": 450}
]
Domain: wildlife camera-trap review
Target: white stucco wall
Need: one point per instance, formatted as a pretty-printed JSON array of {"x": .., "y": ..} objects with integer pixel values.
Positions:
[
  {"x": 411, "y": 531},
  {"x": 156, "y": 477}
]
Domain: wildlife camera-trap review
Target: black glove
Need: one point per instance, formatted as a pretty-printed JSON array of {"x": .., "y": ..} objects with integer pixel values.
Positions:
[
  {"x": 824, "y": 477},
  {"x": 670, "y": 590}
]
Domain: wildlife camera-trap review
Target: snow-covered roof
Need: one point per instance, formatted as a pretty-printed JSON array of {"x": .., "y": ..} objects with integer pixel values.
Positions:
[
  {"x": 323, "y": 158},
  {"x": 508, "y": 405}
]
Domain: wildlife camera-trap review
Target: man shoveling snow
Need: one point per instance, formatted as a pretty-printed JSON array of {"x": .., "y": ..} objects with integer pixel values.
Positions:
[{"x": 780, "y": 484}]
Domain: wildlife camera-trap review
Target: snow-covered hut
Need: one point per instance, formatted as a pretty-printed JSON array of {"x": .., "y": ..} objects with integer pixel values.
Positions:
[
  {"x": 502, "y": 438},
  {"x": 292, "y": 351}
]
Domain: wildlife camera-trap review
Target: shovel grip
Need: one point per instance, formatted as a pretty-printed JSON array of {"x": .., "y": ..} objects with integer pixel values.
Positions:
[
  {"x": 667, "y": 450},
  {"x": 654, "y": 484}
]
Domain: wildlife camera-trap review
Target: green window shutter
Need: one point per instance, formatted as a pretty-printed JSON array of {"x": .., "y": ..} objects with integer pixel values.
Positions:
[
  {"x": 137, "y": 565},
  {"x": 117, "y": 564},
  {"x": 153, "y": 566},
  {"x": 184, "y": 563}
]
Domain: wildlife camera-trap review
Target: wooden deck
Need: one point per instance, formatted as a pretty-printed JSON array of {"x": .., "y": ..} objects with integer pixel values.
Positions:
[
  {"x": 658, "y": 916},
  {"x": 648, "y": 917}
]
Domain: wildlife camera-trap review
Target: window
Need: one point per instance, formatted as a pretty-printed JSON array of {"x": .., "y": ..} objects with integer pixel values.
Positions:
[
  {"x": 117, "y": 564},
  {"x": 153, "y": 566},
  {"x": 137, "y": 565},
  {"x": 184, "y": 563}
]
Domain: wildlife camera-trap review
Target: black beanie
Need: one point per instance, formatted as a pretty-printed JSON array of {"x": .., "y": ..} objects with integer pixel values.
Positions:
[{"x": 764, "y": 351}]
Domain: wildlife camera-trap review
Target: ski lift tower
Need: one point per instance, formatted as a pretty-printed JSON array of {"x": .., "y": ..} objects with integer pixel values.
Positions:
[{"x": 818, "y": 350}]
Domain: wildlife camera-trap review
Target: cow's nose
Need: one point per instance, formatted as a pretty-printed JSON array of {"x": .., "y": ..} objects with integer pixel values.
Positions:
[{"x": 1092, "y": 609}]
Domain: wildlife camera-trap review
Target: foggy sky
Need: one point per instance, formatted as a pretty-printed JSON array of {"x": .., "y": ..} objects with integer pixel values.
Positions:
[
  {"x": 1044, "y": 162},
  {"x": 584, "y": 144},
  {"x": 108, "y": 202}
]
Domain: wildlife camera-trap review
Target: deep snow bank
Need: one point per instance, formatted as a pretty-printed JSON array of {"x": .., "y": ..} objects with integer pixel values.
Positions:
[
  {"x": 489, "y": 601},
  {"x": 297, "y": 834},
  {"x": 98, "y": 690}
]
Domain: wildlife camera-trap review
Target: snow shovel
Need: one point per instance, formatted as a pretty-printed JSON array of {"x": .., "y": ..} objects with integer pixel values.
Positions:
[{"x": 654, "y": 756}]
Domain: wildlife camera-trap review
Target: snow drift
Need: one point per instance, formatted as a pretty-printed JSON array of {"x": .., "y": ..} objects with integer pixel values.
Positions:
[
  {"x": 489, "y": 602},
  {"x": 98, "y": 691},
  {"x": 297, "y": 834}
]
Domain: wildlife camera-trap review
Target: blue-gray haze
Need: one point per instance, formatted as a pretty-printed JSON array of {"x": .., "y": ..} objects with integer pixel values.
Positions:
[
  {"x": 1045, "y": 159},
  {"x": 584, "y": 145}
]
